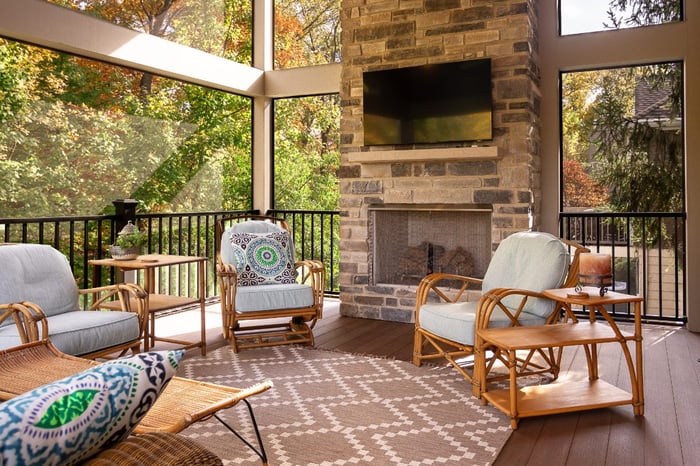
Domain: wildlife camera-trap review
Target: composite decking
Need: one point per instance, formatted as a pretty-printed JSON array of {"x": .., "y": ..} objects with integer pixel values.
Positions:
[{"x": 666, "y": 435}]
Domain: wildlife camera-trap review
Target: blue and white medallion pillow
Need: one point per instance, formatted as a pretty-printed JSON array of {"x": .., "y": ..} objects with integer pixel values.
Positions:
[
  {"x": 263, "y": 258},
  {"x": 70, "y": 420}
]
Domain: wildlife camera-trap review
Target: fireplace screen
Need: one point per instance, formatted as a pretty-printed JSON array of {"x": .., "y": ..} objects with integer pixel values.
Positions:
[{"x": 410, "y": 242}]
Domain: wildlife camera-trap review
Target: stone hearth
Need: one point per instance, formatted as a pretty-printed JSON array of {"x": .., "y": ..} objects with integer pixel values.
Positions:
[{"x": 503, "y": 173}]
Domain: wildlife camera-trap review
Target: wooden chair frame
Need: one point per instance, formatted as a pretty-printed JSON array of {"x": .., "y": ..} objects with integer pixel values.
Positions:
[
  {"x": 296, "y": 330},
  {"x": 451, "y": 288}
]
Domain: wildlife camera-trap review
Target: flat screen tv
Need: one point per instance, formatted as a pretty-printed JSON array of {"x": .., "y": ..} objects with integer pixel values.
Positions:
[{"x": 445, "y": 102}]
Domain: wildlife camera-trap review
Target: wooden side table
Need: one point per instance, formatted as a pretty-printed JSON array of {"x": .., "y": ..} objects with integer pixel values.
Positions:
[
  {"x": 561, "y": 397},
  {"x": 160, "y": 302}
]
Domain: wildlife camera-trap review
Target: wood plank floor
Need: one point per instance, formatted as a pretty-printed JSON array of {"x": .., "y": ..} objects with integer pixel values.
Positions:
[{"x": 666, "y": 435}]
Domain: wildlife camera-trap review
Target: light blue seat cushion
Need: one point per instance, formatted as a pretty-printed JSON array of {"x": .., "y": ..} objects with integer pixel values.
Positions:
[
  {"x": 532, "y": 261},
  {"x": 41, "y": 274},
  {"x": 455, "y": 321},
  {"x": 271, "y": 297},
  {"x": 82, "y": 332}
]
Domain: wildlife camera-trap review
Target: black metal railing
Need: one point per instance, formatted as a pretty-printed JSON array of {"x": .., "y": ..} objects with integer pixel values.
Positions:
[
  {"x": 83, "y": 238},
  {"x": 316, "y": 236},
  {"x": 648, "y": 251}
]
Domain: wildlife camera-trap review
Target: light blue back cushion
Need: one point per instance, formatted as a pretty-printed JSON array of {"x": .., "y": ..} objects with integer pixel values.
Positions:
[
  {"x": 529, "y": 260},
  {"x": 526, "y": 260},
  {"x": 37, "y": 273},
  {"x": 67, "y": 421}
]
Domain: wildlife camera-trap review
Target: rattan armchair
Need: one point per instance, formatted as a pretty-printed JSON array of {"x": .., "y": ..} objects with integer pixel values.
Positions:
[
  {"x": 449, "y": 308},
  {"x": 38, "y": 279},
  {"x": 260, "y": 310}
]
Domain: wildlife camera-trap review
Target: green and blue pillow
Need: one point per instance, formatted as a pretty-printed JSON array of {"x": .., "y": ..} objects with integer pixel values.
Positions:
[
  {"x": 263, "y": 258},
  {"x": 70, "y": 420}
]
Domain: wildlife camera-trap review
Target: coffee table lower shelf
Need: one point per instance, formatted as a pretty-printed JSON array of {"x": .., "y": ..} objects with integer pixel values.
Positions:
[{"x": 558, "y": 397}]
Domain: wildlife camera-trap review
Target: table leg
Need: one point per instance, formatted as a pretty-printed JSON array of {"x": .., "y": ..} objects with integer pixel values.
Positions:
[
  {"x": 201, "y": 273},
  {"x": 639, "y": 402},
  {"x": 513, "y": 368},
  {"x": 149, "y": 280}
]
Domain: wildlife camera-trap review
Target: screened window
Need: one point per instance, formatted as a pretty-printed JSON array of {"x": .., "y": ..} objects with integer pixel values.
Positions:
[
  {"x": 307, "y": 152},
  {"x": 219, "y": 27},
  {"x": 306, "y": 33},
  {"x": 622, "y": 135},
  {"x": 580, "y": 16},
  {"x": 76, "y": 134}
]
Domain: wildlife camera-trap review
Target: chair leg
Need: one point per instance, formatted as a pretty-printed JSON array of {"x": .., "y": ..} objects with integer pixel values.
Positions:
[
  {"x": 417, "y": 348},
  {"x": 260, "y": 449}
]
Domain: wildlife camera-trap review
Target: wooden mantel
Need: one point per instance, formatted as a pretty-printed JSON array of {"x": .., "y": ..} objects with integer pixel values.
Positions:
[{"x": 471, "y": 153}]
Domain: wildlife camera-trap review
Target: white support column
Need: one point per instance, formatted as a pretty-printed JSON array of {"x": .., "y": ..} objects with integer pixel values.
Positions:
[
  {"x": 263, "y": 53},
  {"x": 692, "y": 167}
]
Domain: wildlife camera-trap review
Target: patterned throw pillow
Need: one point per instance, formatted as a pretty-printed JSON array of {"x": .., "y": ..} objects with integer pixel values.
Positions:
[
  {"x": 69, "y": 420},
  {"x": 263, "y": 258}
]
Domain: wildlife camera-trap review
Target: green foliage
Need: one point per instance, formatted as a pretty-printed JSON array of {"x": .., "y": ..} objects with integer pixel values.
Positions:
[
  {"x": 77, "y": 133},
  {"x": 306, "y": 33},
  {"x": 643, "y": 12},
  {"x": 131, "y": 240},
  {"x": 641, "y": 160},
  {"x": 307, "y": 155}
]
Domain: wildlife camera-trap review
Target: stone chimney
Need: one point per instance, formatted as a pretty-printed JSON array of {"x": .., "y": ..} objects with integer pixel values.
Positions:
[{"x": 502, "y": 174}]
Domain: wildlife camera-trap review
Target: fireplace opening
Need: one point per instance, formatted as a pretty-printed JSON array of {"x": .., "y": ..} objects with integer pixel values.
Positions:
[{"x": 407, "y": 242}]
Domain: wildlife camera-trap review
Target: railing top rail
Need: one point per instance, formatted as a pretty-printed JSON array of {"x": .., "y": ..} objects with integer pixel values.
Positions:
[
  {"x": 71, "y": 218},
  {"x": 322, "y": 212},
  {"x": 623, "y": 214},
  {"x": 194, "y": 214}
]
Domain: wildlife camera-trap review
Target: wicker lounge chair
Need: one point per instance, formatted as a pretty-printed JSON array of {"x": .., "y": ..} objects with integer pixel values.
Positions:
[
  {"x": 182, "y": 403},
  {"x": 40, "y": 276}
]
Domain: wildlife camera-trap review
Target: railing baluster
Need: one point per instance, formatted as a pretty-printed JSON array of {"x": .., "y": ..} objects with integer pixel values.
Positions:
[{"x": 639, "y": 238}]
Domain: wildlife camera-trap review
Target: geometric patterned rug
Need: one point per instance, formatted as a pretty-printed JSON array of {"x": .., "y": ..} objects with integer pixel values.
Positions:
[{"x": 330, "y": 408}]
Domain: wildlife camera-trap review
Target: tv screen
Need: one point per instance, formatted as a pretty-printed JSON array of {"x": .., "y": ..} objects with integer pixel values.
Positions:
[{"x": 446, "y": 102}]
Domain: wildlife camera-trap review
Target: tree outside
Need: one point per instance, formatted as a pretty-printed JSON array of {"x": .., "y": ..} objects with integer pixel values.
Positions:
[
  {"x": 622, "y": 128},
  {"x": 77, "y": 133},
  {"x": 622, "y": 131}
]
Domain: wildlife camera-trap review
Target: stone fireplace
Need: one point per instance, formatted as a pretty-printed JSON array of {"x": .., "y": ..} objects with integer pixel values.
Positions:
[{"x": 450, "y": 204}]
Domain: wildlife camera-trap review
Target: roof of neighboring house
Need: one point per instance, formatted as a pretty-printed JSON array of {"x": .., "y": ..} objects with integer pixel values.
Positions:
[{"x": 651, "y": 103}]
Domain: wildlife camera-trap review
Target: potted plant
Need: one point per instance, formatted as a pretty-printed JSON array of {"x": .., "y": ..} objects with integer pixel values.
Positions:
[{"x": 128, "y": 244}]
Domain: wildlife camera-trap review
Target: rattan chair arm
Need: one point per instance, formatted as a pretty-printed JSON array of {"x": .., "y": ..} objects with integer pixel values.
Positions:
[
  {"x": 131, "y": 298},
  {"x": 227, "y": 271},
  {"x": 572, "y": 274},
  {"x": 312, "y": 273},
  {"x": 448, "y": 287},
  {"x": 29, "y": 318},
  {"x": 493, "y": 299}
]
